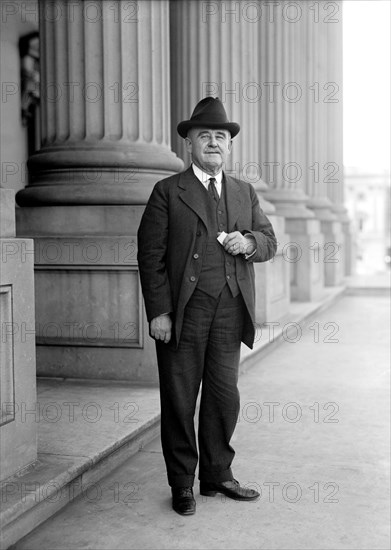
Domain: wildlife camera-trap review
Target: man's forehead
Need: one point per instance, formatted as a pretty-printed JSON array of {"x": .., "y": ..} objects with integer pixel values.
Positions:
[{"x": 197, "y": 131}]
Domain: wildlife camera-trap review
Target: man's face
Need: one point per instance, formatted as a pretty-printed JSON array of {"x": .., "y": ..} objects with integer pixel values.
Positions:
[{"x": 209, "y": 148}]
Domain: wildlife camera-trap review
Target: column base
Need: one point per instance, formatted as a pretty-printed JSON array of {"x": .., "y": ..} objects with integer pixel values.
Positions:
[
  {"x": 304, "y": 252},
  {"x": 272, "y": 290},
  {"x": 90, "y": 320},
  {"x": 267, "y": 207},
  {"x": 341, "y": 212},
  {"x": 96, "y": 173},
  {"x": 350, "y": 248},
  {"x": 290, "y": 203},
  {"x": 322, "y": 208},
  {"x": 334, "y": 252},
  {"x": 261, "y": 188}
]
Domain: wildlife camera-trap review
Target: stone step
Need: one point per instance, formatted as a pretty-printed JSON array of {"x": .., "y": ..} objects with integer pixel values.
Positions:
[{"x": 88, "y": 428}]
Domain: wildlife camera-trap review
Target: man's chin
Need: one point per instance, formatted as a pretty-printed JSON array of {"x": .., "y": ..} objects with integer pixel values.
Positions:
[{"x": 213, "y": 164}]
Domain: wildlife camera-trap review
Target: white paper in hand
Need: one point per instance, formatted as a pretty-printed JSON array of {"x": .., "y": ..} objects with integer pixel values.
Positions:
[{"x": 221, "y": 237}]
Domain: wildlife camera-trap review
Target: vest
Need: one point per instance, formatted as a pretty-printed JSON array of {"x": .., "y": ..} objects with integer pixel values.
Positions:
[{"x": 218, "y": 267}]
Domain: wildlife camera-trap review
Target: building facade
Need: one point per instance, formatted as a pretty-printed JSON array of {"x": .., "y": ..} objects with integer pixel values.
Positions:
[
  {"x": 368, "y": 204},
  {"x": 89, "y": 126}
]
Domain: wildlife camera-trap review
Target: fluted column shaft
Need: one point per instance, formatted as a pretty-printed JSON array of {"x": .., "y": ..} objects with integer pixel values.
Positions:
[
  {"x": 281, "y": 122},
  {"x": 335, "y": 187},
  {"x": 319, "y": 93},
  {"x": 105, "y": 103},
  {"x": 214, "y": 53}
]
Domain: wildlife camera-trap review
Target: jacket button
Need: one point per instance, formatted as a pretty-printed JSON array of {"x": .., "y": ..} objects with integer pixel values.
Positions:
[
  {"x": 195, "y": 256},
  {"x": 192, "y": 278},
  {"x": 198, "y": 233},
  {"x": 228, "y": 277}
]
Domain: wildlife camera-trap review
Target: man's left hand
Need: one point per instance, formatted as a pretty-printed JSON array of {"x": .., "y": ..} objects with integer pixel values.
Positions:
[{"x": 236, "y": 243}]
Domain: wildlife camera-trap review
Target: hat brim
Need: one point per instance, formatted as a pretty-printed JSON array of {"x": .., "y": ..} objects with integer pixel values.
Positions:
[{"x": 186, "y": 125}]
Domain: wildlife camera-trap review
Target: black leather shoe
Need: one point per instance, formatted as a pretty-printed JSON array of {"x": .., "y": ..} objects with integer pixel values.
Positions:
[
  {"x": 231, "y": 489},
  {"x": 183, "y": 500}
]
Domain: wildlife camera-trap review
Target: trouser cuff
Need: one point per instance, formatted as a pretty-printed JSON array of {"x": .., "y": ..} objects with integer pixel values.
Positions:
[
  {"x": 185, "y": 480},
  {"x": 216, "y": 476}
]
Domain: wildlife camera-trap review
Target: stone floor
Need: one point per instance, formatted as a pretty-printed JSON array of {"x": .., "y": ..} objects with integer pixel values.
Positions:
[{"x": 312, "y": 436}]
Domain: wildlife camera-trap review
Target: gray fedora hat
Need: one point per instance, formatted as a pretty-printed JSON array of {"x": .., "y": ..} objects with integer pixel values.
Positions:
[{"x": 208, "y": 113}]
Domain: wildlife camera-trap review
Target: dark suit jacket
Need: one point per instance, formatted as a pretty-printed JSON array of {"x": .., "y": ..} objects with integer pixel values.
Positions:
[{"x": 173, "y": 230}]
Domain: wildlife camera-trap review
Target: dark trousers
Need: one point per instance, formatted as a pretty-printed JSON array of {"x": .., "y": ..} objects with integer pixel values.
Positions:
[{"x": 208, "y": 352}]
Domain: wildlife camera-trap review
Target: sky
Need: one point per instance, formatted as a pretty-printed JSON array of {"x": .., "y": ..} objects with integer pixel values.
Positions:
[{"x": 366, "y": 96}]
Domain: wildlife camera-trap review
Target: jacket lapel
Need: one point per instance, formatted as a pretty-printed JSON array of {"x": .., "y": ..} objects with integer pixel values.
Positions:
[
  {"x": 192, "y": 193},
  {"x": 232, "y": 190}
]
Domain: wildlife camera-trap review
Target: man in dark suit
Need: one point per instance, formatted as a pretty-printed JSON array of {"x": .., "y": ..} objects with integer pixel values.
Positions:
[{"x": 198, "y": 238}]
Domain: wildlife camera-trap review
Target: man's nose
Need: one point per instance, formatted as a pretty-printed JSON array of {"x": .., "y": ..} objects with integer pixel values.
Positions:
[{"x": 212, "y": 141}]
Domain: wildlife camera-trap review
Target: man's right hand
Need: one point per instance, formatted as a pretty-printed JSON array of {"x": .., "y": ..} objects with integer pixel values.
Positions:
[{"x": 160, "y": 328}]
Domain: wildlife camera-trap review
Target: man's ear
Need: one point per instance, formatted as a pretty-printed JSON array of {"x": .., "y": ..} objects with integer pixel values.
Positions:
[
  {"x": 188, "y": 144},
  {"x": 230, "y": 146}
]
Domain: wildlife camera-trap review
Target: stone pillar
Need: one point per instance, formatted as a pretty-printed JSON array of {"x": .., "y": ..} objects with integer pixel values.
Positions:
[
  {"x": 105, "y": 103},
  {"x": 282, "y": 63},
  {"x": 19, "y": 414},
  {"x": 207, "y": 61},
  {"x": 323, "y": 95},
  {"x": 105, "y": 142},
  {"x": 336, "y": 184}
]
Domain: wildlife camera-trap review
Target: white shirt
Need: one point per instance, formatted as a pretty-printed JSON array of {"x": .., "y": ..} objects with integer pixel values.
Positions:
[{"x": 204, "y": 178}]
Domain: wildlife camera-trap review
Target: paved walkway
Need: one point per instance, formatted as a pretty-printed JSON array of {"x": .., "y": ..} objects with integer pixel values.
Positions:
[{"x": 313, "y": 436}]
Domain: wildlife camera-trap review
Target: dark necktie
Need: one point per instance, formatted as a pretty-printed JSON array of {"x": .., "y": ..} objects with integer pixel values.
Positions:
[{"x": 212, "y": 189}]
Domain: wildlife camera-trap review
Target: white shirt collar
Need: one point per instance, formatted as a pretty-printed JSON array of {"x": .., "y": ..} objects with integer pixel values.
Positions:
[{"x": 204, "y": 177}]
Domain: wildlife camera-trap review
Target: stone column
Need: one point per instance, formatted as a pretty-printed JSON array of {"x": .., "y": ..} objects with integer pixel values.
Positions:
[
  {"x": 336, "y": 184},
  {"x": 282, "y": 61},
  {"x": 281, "y": 121},
  {"x": 105, "y": 142},
  {"x": 322, "y": 96},
  {"x": 19, "y": 414},
  {"x": 334, "y": 116},
  {"x": 105, "y": 103},
  {"x": 206, "y": 61},
  {"x": 317, "y": 121},
  {"x": 214, "y": 52}
]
